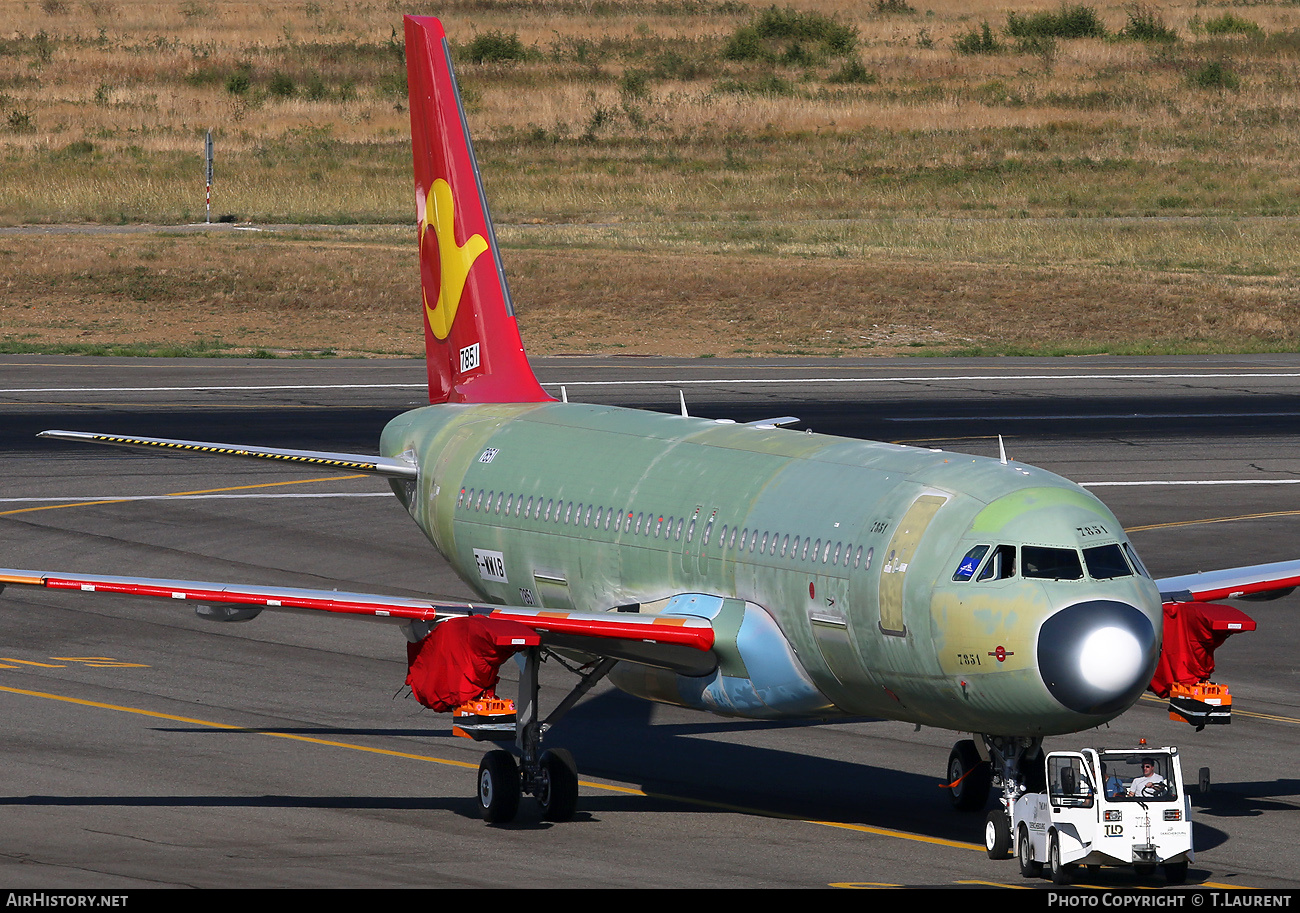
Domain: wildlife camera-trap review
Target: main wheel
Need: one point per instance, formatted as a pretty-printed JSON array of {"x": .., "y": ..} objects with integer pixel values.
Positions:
[
  {"x": 558, "y": 795},
  {"x": 1176, "y": 872},
  {"x": 970, "y": 777},
  {"x": 1029, "y": 868},
  {"x": 997, "y": 834},
  {"x": 1061, "y": 873},
  {"x": 498, "y": 787}
]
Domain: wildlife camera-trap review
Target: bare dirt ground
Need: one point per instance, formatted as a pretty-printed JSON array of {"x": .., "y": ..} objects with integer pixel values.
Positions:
[{"x": 354, "y": 291}]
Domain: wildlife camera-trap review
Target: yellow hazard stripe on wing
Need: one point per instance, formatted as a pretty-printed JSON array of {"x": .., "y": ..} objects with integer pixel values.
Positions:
[{"x": 233, "y": 451}]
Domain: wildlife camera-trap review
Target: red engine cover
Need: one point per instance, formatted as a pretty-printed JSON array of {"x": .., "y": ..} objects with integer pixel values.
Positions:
[
  {"x": 1193, "y": 631},
  {"x": 459, "y": 660}
]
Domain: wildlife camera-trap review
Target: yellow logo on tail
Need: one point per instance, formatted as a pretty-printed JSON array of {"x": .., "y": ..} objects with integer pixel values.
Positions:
[{"x": 453, "y": 261}]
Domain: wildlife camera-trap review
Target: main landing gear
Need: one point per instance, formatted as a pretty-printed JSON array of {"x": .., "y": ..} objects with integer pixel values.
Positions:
[{"x": 549, "y": 776}]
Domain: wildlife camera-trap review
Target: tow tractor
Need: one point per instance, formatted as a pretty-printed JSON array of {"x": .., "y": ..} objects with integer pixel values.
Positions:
[{"x": 1115, "y": 807}]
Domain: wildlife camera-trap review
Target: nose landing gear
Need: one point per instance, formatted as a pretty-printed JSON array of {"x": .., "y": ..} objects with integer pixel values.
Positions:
[{"x": 1006, "y": 762}]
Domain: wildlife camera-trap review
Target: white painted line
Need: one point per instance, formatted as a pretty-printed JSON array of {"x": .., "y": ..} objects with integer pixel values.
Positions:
[
  {"x": 916, "y": 378},
  {"x": 1192, "y": 482},
  {"x": 222, "y": 388},
  {"x": 114, "y": 498},
  {"x": 1082, "y": 416},
  {"x": 385, "y": 494},
  {"x": 931, "y": 378}
]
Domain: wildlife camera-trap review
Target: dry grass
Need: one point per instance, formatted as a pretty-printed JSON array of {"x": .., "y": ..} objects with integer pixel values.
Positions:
[{"x": 141, "y": 82}]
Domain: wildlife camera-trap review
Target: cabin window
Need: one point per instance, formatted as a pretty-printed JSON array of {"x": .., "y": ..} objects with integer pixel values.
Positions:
[
  {"x": 1001, "y": 564},
  {"x": 1106, "y": 562},
  {"x": 866, "y": 561},
  {"x": 785, "y": 545},
  {"x": 857, "y": 557},
  {"x": 804, "y": 554},
  {"x": 836, "y": 559},
  {"x": 708, "y": 528},
  {"x": 690, "y": 530},
  {"x": 461, "y": 500},
  {"x": 1051, "y": 563}
]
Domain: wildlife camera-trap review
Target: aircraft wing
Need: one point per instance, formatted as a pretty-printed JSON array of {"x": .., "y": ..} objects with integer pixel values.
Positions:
[
  {"x": 1259, "y": 581},
  {"x": 352, "y": 462},
  {"x": 679, "y": 642}
]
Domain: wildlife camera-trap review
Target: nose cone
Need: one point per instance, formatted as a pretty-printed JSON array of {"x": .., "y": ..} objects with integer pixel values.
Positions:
[{"x": 1096, "y": 657}]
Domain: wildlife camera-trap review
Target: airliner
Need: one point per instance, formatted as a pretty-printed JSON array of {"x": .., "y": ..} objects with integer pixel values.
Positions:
[{"x": 748, "y": 570}]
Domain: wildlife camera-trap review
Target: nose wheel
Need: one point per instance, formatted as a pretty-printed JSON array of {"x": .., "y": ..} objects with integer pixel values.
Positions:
[{"x": 969, "y": 777}]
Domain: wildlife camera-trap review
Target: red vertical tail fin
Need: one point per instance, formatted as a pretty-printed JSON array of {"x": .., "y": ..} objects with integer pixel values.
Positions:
[{"x": 471, "y": 337}]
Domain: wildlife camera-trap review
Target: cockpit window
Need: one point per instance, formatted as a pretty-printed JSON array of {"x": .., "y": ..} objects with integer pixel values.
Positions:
[
  {"x": 1105, "y": 562},
  {"x": 971, "y": 560},
  {"x": 1136, "y": 561},
  {"x": 1001, "y": 564},
  {"x": 1050, "y": 563}
]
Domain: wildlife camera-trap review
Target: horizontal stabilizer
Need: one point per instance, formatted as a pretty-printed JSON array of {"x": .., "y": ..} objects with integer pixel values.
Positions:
[{"x": 351, "y": 462}]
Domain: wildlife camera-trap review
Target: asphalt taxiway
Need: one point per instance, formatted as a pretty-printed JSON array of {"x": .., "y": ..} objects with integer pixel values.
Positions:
[{"x": 146, "y": 747}]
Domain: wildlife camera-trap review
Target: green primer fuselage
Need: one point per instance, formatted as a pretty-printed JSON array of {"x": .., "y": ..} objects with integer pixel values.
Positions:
[{"x": 850, "y": 546}]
